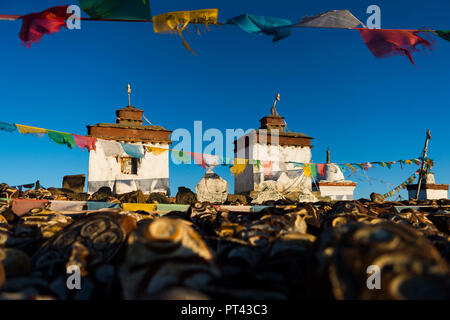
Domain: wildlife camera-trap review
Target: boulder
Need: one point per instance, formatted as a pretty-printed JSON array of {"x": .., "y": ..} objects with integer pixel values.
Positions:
[
  {"x": 306, "y": 195},
  {"x": 102, "y": 194},
  {"x": 158, "y": 197},
  {"x": 132, "y": 197},
  {"x": 376, "y": 197},
  {"x": 268, "y": 192},
  {"x": 212, "y": 188},
  {"x": 74, "y": 182},
  {"x": 185, "y": 196},
  {"x": 237, "y": 199}
]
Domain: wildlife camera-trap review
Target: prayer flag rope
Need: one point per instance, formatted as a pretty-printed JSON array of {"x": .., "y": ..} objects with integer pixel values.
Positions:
[{"x": 381, "y": 42}]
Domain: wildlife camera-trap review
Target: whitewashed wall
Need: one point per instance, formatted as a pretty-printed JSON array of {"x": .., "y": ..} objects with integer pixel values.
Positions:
[
  {"x": 152, "y": 172},
  {"x": 429, "y": 194},
  {"x": 337, "y": 192},
  {"x": 252, "y": 178}
]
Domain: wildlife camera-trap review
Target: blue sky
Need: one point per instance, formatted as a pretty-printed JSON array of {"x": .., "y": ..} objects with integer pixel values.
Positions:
[{"x": 331, "y": 87}]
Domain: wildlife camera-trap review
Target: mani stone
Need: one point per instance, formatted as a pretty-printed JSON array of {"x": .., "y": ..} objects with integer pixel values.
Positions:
[
  {"x": 185, "y": 196},
  {"x": 306, "y": 195},
  {"x": 74, "y": 183},
  {"x": 376, "y": 197},
  {"x": 268, "y": 192},
  {"x": 212, "y": 188}
]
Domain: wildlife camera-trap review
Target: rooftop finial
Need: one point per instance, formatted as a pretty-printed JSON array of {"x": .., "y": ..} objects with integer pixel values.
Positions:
[
  {"x": 274, "y": 110},
  {"x": 129, "y": 94},
  {"x": 328, "y": 154}
]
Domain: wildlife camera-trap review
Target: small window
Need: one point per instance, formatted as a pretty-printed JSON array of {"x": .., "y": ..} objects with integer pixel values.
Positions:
[{"x": 128, "y": 165}]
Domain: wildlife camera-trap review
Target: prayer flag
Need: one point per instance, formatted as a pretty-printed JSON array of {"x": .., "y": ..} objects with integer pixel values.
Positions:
[
  {"x": 35, "y": 25},
  {"x": 132, "y": 150},
  {"x": 331, "y": 19},
  {"x": 444, "y": 34},
  {"x": 321, "y": 169},
  {"x": 6, "y": 126},
  {"x": 31, "y": 130},
  {"x": 176, "y": 22},
  {"x": 85, "y": 142},
  {"x": 117, "y": 9},
  {"x": 386, "y": 43},
  {"x": 238, "y": 166},
  {"x": 276, "y": 27},
  {"x": 155, "y": 150},
  {"x": 62, "y": 138}
]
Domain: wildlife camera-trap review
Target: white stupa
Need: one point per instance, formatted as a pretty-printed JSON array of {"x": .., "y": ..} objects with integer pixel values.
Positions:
[{"x": 334, "y": 184}]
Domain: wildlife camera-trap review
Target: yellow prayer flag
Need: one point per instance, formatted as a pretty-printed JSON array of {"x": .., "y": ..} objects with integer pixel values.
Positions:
[
  {"x": 307, "y": 170},
  {"x": 351, "y": 167},
  {"x": 408, "y": 161},
  {"x": 138, "y": 206},
  {"x": 178, "y": 21},
  {"x": 238, "y": 166},
  {"x": 26, "y": 129},
  {"x": 155, "y": 150}
]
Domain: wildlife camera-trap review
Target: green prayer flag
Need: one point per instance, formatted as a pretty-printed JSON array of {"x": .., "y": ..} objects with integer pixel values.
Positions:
[
  {"x": 62, "y": 138},
  {"x": 181, "y": 156},
  {"x": 444, "y": 34},
  {"x": 117, "y": 9}
]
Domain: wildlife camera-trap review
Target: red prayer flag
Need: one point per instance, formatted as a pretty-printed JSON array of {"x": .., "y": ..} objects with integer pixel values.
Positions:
[
  {"x": 35, "y": 25},
  {"x": 386, "y": 43},
  {"x": 321, "y": 169},
  {"x": 199, "y": 159},
  {"x": 85, "y": 142}
]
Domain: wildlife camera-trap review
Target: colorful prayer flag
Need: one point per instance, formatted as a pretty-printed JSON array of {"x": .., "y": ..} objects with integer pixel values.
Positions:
[
  {"x": 444, "y": 34},
  {"x": 386, "y": 43},
  {"x": 238, "y": 166},
  {"x": 276, "y": 27},
  {"x": 117, "y": 9},
  {"x": 155, "y": 150},
  {"x": 331, "y": 19},
  {"x": 178, "y": 21},
  {"x": 62, "y": 138},
  {"x": 35, "y": 25},
  {"x": 6, "y": 126},
  {"x": 31, "y": 130},
  {"x": 85, "y": 142},
  {"x": 321, "y": 169},
  {"x": 132, "y": 150}
]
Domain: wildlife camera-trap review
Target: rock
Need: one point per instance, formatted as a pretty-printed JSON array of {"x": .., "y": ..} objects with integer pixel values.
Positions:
[
  {"x": 74, "y": 182},
  {"x": 132, "y": 197},
  {"x": 212, "y": 188},
  {"x": 306, "y": 195},
  {"x": 177, "y": 254},
  {"x": 376, "y": 197},
  {"x": 237, "y": 199},
  {"x": 158, "y": 197},
  {"x": 185, "y": 196},
  {"x": 268, "y": 192},
  {"x": 102, "y": 194},
  {"x": 15, "y": 262}
]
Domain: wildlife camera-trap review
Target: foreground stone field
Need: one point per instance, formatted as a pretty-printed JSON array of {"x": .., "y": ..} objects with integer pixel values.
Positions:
[{"x": 286, "y": 251}]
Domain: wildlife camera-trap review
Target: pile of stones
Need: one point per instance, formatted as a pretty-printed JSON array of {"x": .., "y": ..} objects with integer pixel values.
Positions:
[{"x": 295, "y": 250}]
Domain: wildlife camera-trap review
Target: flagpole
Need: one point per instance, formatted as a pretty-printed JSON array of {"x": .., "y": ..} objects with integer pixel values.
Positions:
[{"x": 425, "y": 150}]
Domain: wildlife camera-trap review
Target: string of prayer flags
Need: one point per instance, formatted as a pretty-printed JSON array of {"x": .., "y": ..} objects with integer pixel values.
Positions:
[
  {"x": 331, "y": 19},
  {"x": 132, "y": 150},
  {"x": 26, "y": 186},
  {"x": 117, "y": 9},
  {"x": 402, "y": 185},
  {"x": 155, "y": 150},
  {"x": 238, "y": 166},
  {"x": 176, "y": 22},
  {"x": 35, "y": 25},
  {"x": 276, "y": 27},
  {"x": 85, "y": 142},
  {"x": 444, "y": 34},
  {"x": 8, "y": 127},
  {"x": 387, "y": 43},
  {"x": 62, "y": 138}
]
